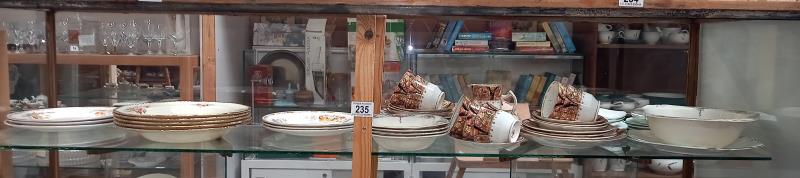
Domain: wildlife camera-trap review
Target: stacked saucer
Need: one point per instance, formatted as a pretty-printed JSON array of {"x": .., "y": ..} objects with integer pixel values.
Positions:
[
  {"x": 182, "y": 121},
  {"x": 637, "y": 122},
  {"x": 570, "y": 134},
  {"x": 309, "y": 123},
  {"x": 611, "y": 115},
  {"x": 62, "y": 119},
  {"x": 408, "y": 132}
]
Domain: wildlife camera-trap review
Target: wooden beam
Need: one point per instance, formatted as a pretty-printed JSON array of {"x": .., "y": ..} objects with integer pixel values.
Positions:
[
  {"x": 369, "y": 55},
  {"x": 208, "y": 55},
  {"x": 187, "y": 167},
  {"x": 6, "y": 162},
  {"x": 692, "y": 68},
  {"x": 101, "y": 59},
  {"x": 52, "y": 82}
]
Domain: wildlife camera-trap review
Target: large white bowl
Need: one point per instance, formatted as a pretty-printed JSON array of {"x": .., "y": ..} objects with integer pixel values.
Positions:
[
  {"x": 697, "y": 127},
  {"x": 398, "y": 143},
  {"x": 183, "y": 136}
]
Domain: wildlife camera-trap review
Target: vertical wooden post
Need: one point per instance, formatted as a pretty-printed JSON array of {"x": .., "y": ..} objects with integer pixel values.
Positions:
[
  {"x": 369, "y": 60},
  {"x": 52, "y": 84},
  {"x": 6, "y": 164},
  {"x": 693, "y": 65},
  {"x": 208, "y": 63},
  {"x": 208, "y": 58}
]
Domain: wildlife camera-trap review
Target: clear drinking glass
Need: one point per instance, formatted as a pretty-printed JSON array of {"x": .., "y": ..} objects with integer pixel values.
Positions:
[
  {"x": 159, "y": 37},
  {"x": 175, "y": 37},
  {"x": 33, "y": 37},
  {"x": 132, "y": 38}
]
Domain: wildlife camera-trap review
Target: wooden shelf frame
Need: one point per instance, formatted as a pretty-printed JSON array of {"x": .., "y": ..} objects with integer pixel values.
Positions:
[{"x": 186, "y": 64}]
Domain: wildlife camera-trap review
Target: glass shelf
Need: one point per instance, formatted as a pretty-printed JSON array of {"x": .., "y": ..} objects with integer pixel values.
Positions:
[
  {"x": 255, "y": 139},
  {"x": 495, "y": 55}
]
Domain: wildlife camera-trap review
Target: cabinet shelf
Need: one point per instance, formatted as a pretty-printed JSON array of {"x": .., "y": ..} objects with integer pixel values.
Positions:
[
  {"x": 498, "y": 55},
  {"x": 643, "y": 46},
  {"x": 255, "y": 139},
  {"x": 101, "y": 59}
]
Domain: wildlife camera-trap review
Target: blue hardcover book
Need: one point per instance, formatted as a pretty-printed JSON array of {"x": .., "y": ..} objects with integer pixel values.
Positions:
[
  {"x": 475, "y": 36},
  {"x": 523, "y": 85},
  {"x": 562, "y": 28},
  {"x": 448, "y": 85},
  {"x": 452, "y": 39},
  {"x": 446, "y": 35}
]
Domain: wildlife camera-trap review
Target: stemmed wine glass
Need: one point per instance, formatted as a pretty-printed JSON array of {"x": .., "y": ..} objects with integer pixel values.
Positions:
[
  {"x": 108, "y": 34},
  {"x": 132, "y": 37},
  {"x": 148, "y": 35},
  {"x": 159, "y": 37},
  {"x": 33, "y": 36},
  {"x": 19, "y": 36},
  {"x": 175, "y": 37},
  {"x": 63, "y": 35}
]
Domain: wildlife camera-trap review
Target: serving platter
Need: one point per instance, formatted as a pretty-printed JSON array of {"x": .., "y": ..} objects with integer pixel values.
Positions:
[
  {"x": 647, "y": 137},
  {"x": 181, "y": 109},
  {"x": 67, "y": 114},
  {"x": 309, "y": 118}
]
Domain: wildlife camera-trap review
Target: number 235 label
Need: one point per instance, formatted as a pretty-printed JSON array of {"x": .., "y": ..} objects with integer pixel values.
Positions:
[
  {"x": 631, "y": 3},
  {"x": 362, "y": 109}
]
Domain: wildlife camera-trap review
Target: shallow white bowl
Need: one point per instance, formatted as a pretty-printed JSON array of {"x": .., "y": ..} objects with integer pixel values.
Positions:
[
  {"x": 308, "y": 119},
  {"x": 416, "y": 122},
  {"x": 464, "y": 146},
  {"x": 697, "y": 127},
  {"x": 181, "y": 109},
  {"x": 405, "y": 143},
  {"x": 310, "y": 133},
  {"x": 183, "y": 136}
]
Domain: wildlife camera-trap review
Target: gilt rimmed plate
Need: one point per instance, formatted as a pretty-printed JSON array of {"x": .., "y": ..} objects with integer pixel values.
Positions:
[
  {"x": 66, "y": 128},
  {"x": 569, "y": 143},
  {"x": 647, "y": 137},
  {"x": 67, "y": 114},
  {"x": 89, "y": 122},
  {"x": 309, "y": 118},
  {"x": 181, "y": 127},
  {"x": 182, "y": 122},
  {"x": 534, "y": 126},
  {"x": 307, "y": 128},
  {"x": 310, "y": 133},
  {"x": 181, "y": 109},
  {"x": 409, "y": 122},
  {"x": 185, "y": 119}
]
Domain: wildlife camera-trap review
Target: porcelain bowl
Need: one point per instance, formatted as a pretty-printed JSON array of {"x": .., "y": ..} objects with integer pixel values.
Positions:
[
  {"x": 695, "y": 126},
  {"x": 183, "y": 136},
  {"x": 404, "y": 143}
]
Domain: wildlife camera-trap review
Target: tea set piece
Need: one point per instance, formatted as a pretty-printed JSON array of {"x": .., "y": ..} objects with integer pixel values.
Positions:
[
  {"x": 309, "y": 123},
  {"x": 414, "y": 95},
  {"x": 182, "y": 121},
  {"x": 482, "y": 123}
]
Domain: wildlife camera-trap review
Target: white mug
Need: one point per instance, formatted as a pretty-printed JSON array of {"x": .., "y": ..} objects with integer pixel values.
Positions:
[
  {"x": 630, "y": 35},
  {"x": 604, "y": 27},
  {"x": 651, "y": 37},
  {"x": 665, "y": 32},
  {"x": 505, "y": 127},
  {"x": 605, "y": 37}
]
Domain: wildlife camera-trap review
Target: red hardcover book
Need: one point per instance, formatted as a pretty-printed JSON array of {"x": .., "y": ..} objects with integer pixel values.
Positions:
[{"x": 543, "y": 50}]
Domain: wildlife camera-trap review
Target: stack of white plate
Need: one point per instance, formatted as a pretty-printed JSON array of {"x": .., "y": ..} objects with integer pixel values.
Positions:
[
  {"x": 570, "y": 134},
  {"x": 62, "y": 119},
  {"x": 408, "y": 132},
  {"x": 637, "y": 122},
  {"x": 309, "y": 123},
  {"x": 611, "y": 115},
  {"x": 182, "y": 121}
]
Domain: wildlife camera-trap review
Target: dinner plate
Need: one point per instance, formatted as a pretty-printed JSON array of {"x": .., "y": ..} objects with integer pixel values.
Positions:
[
  {"x": 310, "y": 133},
  {"x": 182, "y": 109},
  {"x": 180, "y": 127},
  {"x": 308, "y": 128},
  {"x": 66, "y": 128},
  {"x": 534, "y": 126},
  {"x": 568, "y": 143},
  {"x": 67, "y": 114},
  {"x": 647, "y": 137},
  {"x": 598, "y": 120},
  {"x": 568, "y": 127},
  {"x": 89, "y": 122},
  {"x": 574, "y": 136},
  {"x": 182, "y": 122},
  {"x": 309, "y": 118},
  {"x": 398, "y": 122},
  {"x": 181, "y": 119}
]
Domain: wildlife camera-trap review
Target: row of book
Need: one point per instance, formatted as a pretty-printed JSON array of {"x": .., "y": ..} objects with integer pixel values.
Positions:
[
  {"x": 555, "y": 39},
  {"x": 531, "y": 88}
]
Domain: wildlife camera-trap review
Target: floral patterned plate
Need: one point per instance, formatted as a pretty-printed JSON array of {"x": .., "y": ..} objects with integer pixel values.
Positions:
[
  {"x": 183, "y": 109},
  {"x": 57, "y": 115},
  {"x": 309, "y": 118}
]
